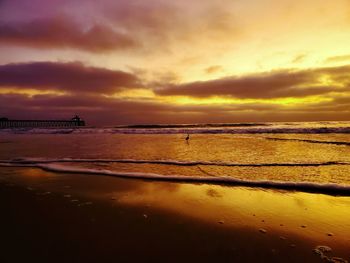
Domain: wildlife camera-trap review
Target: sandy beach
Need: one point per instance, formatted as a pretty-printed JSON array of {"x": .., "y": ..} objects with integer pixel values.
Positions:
[{"x": 80, "y": 218}]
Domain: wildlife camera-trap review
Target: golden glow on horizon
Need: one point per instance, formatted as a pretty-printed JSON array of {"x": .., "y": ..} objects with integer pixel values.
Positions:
[
  {"x": 140, "y": 94},
  {"x": 30, "y": 92},
  {"x": 183, "y": 100},
  {"x": 133, "y": 94}
]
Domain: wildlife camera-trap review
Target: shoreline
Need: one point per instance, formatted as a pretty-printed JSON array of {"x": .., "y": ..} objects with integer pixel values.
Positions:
[{"x": 307, "y": 187}]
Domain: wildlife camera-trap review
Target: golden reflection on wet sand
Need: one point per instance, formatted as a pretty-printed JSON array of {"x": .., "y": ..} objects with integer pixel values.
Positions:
[
  {"x": 311, "y": 216},
  {"x": 308, "y": 215},
  {"x": 294, "y": 218}
]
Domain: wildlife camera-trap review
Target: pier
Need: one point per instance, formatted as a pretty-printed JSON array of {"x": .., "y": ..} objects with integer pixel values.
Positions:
[{"x": 6, "y": 123}]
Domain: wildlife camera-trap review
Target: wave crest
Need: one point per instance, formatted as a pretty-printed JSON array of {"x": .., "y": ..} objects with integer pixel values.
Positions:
[{"x": 334, "y": 189}]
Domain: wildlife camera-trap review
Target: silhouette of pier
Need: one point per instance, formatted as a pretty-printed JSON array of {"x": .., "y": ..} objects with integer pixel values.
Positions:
[{"x": 76, "y": 121}]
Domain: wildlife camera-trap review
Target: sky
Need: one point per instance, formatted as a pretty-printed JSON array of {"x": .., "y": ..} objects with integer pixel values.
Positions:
[{"x": 161, "y": 61}]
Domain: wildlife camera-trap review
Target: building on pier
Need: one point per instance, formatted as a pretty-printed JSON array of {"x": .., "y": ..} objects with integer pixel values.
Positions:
[{"x": 76, "y": 121}]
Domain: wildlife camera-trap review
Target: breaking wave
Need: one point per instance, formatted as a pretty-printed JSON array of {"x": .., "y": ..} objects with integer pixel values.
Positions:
[
  {"x": 334, "y": 189},
  {"x": 228, "y": 128},
  {"x": 309, "y": 141},
  {"x": 29, "y": 161}
]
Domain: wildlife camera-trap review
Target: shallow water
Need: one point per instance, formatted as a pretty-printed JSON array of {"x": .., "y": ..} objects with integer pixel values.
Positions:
[{"x": 286, "y": 158}]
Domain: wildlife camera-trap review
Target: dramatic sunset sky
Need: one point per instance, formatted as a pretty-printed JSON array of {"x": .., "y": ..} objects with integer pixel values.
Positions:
[{"x": 166, "y": 61}]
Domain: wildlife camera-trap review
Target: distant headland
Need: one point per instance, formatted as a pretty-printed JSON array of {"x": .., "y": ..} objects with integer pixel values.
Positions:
[{"x": 74, "y": 122}]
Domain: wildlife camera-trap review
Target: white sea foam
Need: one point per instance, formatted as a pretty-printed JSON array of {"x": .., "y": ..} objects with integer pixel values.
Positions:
[
  {"x": 225, "y": 180},
  {"x": 162, "y": 162}
]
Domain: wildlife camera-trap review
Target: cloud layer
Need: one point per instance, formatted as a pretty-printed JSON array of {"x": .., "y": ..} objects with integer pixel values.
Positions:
[
  {"x": 135, "y": 25},
  {"x": 65, "y": 77},
  {"x": 85, "y": 89},
  {"x": 269, "y": 85},
  {"x": 61, "y": 32}
]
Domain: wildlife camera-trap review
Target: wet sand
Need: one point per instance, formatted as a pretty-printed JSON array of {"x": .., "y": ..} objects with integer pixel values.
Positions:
[{"x": 47, "y": 217}]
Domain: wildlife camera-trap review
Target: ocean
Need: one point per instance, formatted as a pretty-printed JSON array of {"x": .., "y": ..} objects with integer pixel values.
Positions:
[{"x": 302, "y": 156}]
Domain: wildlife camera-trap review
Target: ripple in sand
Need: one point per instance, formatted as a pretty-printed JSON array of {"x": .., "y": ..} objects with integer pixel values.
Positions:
[
  {"x": 221, "y": 222},
  {"x": 283, "y": 238},
  {"x": 330, "y": 234},
  {"x": 303, "y": 226},
  {"x": 67, "y": 196}
]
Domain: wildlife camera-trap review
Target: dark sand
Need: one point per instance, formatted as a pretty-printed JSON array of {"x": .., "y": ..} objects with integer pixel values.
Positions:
[{"x": 50, "y": 218}]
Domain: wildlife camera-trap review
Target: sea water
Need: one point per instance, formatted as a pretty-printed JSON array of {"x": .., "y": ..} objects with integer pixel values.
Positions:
[{"x": 312, "y": 156}]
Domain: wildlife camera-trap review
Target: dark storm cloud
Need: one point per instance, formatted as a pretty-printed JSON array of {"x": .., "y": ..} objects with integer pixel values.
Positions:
[
  {"x": 70, "y": 77},
  {"x": 64, "y": 33},
  {"x": 265, "y": 86}
]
